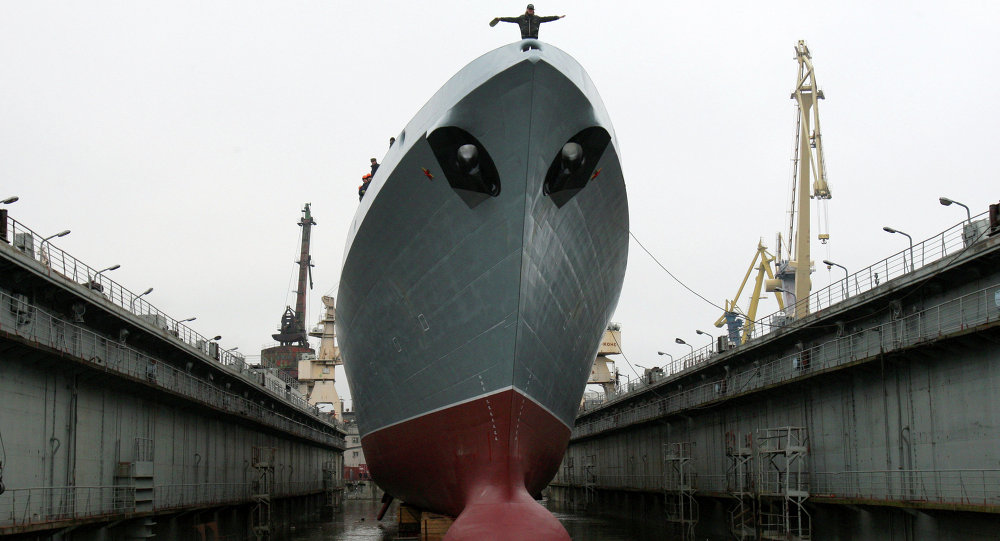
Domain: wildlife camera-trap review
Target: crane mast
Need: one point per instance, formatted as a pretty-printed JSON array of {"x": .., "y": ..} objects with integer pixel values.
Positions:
[
  {"x": 809, "y": 165},
  {"x": 292, "y": 329}
]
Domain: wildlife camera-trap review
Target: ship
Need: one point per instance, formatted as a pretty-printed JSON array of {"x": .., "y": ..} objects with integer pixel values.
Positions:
[{"x": 480, "y": 272}]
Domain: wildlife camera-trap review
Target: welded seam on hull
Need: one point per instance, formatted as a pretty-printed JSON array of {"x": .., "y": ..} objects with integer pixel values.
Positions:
[
  {"x": 471, "y": 399},
  {"x": 516, "y": 422}
]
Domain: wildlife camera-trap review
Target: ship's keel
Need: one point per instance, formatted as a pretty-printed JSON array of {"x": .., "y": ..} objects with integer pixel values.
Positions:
[
  {"x": 480, "y": 461},
  {"x": 520, "y": 518}
]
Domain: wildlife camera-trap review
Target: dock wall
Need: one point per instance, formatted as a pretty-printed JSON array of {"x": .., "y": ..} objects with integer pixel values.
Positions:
[
  {"x": 118, "y": 425},
  {"x": 892, "y": 398}
]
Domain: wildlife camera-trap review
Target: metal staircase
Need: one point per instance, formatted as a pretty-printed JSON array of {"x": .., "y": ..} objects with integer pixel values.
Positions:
[
  {"x": 679, "y": 488},
  {"x": 260, "y": 515},
  {"x": 782, "y": 486},
  {"x": 740, "y": 484}
]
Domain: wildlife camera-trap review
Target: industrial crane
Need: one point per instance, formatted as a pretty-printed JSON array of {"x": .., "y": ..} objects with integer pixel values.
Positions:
[
  {"x": 731, "y": 316},
  {"x": 793, "y": 274}
]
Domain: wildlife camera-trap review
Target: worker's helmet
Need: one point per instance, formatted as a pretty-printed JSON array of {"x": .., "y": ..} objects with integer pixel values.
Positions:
[
  {"x": 531, "y": 7},
  {"x": 366, "y": 176}
]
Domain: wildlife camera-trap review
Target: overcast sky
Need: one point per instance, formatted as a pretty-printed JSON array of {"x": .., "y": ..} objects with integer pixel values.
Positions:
[{"x": 180, "y": 139}]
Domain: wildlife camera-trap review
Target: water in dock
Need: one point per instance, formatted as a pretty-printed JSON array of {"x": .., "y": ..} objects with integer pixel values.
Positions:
[{"x": 357, "y": 523}]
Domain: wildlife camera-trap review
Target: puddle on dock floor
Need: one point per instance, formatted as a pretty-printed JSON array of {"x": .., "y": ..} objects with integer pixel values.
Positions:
[{"x": 357, "y": 523}]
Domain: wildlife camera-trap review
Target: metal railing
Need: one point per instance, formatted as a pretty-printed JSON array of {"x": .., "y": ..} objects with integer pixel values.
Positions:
[
  {"x": 965, "y": 312},
  {"x": 29, "y": 506},
  {"x": 950, "y": 242},
  {"x": 38, "y": 506},
  {"x": 59, "y": 263},
  {"x": 968, "y": 487},
  {"x": 30, "y": 322},
  {"x": 975, "y": 487}
]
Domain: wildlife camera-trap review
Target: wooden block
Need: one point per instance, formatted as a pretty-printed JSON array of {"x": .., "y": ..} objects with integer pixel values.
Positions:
[
  {"x": 433, "y": 526},
  {"x": 409, "y": 520}
]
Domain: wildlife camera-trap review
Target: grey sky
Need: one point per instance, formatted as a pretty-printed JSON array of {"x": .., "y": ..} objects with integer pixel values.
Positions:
[{"x": 180, "y": 139}]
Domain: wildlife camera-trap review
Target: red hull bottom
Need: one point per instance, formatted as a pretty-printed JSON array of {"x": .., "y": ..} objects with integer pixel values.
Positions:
[{"x": 480, "y": 461}]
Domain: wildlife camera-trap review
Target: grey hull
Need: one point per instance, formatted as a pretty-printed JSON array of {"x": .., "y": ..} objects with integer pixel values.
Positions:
[{"x": 445, "y": 296}]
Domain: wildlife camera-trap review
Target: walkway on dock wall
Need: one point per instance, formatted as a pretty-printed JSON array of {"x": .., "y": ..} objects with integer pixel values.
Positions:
[
  {"x": 113, "y": 420},
  {"x": 891, "y": 394}
]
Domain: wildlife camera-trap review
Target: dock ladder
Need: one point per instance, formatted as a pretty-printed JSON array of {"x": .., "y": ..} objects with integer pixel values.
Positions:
[
  {"x": 740, "y": 485},
  {"x": 679, "y": 488},
  {"x": 260, "y": 515},
  {"x": 782, "y": 486}
]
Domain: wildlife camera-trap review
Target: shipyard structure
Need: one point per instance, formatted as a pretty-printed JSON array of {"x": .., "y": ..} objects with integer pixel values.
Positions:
[
  {"x": 873, "y": 416},
  {"x": 121, "y": 422}
]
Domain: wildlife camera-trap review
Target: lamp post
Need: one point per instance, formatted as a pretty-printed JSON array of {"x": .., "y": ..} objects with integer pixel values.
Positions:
[
  {"x": 667, "y": 354},
  {"x": 711, "y": 339},
  {"x": 108, "y": 269},
  {"x": 9, "y": 200},
  {"x": 946, "y": 202},
  {"x": 131, "y": 305},
  {"x": 847, "y": 276},
  {"x": 177, "y": 326},
  {"x": 795, "y": 300},
  {"x": 888, "y": 229},
  {"x": 41, "y": 245},
  {"x": 679, "y": 341}
]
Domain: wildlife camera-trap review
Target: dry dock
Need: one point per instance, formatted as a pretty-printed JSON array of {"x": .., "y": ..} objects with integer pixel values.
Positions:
[
  {"x": 120, "y": 422},
  {"x": 877, "y": 416}
]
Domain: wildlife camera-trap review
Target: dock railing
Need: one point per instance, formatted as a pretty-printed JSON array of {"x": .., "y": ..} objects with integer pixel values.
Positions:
[
  {"x": 36, "y": 325},
  {"x": 22, "y": 507},
  {"x": 968, "y": 487},
  {"x": 949, "y": 242},
  {"x": 955, "y": 315},
  {"x": 29, "y": 506},
  {"x": 58, "y": 263},
  {"x": 972, "y": 487}
]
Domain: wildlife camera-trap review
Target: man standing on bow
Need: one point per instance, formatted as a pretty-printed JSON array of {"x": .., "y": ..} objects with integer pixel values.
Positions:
[{"x": 529, "y": 22}]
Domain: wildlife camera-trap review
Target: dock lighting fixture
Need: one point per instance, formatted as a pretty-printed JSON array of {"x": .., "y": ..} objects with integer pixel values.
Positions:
[
  {"x": 795, "y": 300},
  {"x": 9, "y": 200},
  {"x": 888, "y": 229},
  {"x": 50, "y": 237},
  {"x": 59, "y": 234},
  {"x": 191, "y": 319},
  {"x": 710, "y": 337},
  {"x": 111, "y": 268},
  {"x": 665, "y": 353},
  {"x": 137, "y": 297},
  {"x": 680, "y": 341},
  {"x": 947, "y": 202},
  {"x": 847, "y": 275},
  {"x": 217, "y": 338}
]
